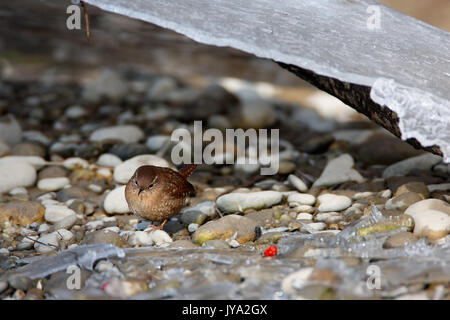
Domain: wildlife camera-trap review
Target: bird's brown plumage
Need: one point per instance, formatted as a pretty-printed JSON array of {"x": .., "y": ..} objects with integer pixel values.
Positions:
[{"x": 157, "y": 193}]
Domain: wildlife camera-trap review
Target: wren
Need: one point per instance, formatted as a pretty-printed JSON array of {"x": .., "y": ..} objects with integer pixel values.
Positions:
[{"x": 157, "y": 193}]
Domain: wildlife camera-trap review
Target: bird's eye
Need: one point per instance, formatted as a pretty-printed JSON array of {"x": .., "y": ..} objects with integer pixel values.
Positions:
[{"x": 153, "y": 183}]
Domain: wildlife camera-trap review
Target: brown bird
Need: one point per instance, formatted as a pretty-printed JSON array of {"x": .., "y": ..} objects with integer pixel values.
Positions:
[{"x": 157, "y": 193}]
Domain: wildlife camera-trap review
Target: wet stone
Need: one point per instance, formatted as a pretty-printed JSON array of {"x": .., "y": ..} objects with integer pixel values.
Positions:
[
  {"x": 22, "y": 212},
  {"x": 399, "y": 240},
  {"x": 102, "y": 236},
  {"x": 20, "y": 282},
  {"x": 403, "y": 201}
]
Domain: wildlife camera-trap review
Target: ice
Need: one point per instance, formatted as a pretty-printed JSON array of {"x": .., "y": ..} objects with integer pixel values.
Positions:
[
  {"x": 84, "y": 256},
  {"x": 408, "y": 68}
]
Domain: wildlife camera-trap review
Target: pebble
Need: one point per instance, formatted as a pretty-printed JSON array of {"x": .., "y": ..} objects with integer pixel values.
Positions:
[
  {"x": 403, "y": 201},
  {"x": 399, "y": 240},
  {"x": 431, "y": 218},
  {"x": 52, "y": 172},
  {"x": 64, "y": 234},
  {"x": 52, "y": 184},
  {"x": 332, "y": 202},
  {"x": 65, "y": 223},
  {"x": 56, "y": 213},
  {"x": 36, "y": 162},
  {"x": 75, "y": 163},
  {"x": 20, "y": 282},
  {"x": 224, "y": 228},
  {"x": 316, "y": 226},
  {"x": 123, "y": 133},
  {"x": 10, "y": 130},
  {"x": 194, "y": 216},
  {"x": 3, "y": 286},
  {"x": 109, "y": 160},
  {"x": 28, "y": 149},
  {"x": 216, "y": 244},
  {"x": 155, "y": 143},
  {"x": 115, "y": 201},
  {"x": 36, "y": 136},
  {"x": 438, "y": 187},
  {"x": 103, "y": 236},
  {"x": 22, "y": 213},
  {"x": 160, "y": 238},
  {"x": 404, "y": 167},
  {"x": 192, "y": 227},
  {"x": 14, "y": 175},
  {"x": 301, "y": 198},
  {"x": 328, "y": 217},
  {"x": 337, "y": 171},
  {"x": 124, "y": 171},
  {"x": 93, "y": 225},
  {"x": 256, "y": 114},
  {"x": 239, "y": 202},
  {"x": 304, "y": 216},
  {"x": 129, "y": 150},
  {"x": 297, "y": 183},
  {"x": 47, "y": 243},
  {"x": 140, "y": 238},
  {"x": 75, "y": 112},
  {"x": 415, "y": 186}
]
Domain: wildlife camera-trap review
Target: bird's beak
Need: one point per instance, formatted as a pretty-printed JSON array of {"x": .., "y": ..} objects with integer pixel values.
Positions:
[{"x": 140, "y": 190}]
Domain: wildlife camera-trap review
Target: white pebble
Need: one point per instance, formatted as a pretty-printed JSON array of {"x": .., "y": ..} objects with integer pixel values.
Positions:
[
  {"x": 104, "y": 172},
  {"x": 124, "y": 133},
  {"x": 160, "y": 238},
  {"x": 333, "y": 202},
  {"x": 297, "y": 183},
  {"x": 140, "y": 238},
  {"x": 64, "y": 234},
  {"x": 304, "y": 216},
  {"x": 93, "y": 225},
  {"x": 302, "y": 198},
  {"x": 75, "y": 162},
  {"x": 192, "y": 227},
  {"x": 238, "y": 202},
  {"x": 43, "y": 228},
  {"x": 14, "y": 175},
  {"x": 47, "y": 243},
  {"x": 19, "y": 190},
  {"x": 109, "y": 160},
  {"x": 55, "y": 213},
  {"x": 52, "y": 184},
  {"x": 115, "y": 202}
]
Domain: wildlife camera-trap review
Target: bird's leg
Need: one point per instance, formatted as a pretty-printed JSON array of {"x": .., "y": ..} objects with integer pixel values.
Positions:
[{"x": 152, "y": 227}]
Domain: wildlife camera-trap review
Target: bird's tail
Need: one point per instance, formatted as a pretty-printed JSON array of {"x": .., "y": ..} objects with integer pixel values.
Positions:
[{"x": 187, "y": 169}]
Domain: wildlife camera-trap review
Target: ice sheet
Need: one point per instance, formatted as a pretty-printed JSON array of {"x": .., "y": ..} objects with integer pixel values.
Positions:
[{"x": 405, "y": 61}]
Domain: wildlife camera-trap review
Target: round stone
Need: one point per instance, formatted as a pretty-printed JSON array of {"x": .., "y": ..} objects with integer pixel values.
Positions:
[
  {"x": 53, "y": 184},
  {"x": 115, "y": 202},
  {"x": 109, "y": 160},
  {"x": 22, "y": 212},
  {"x": 302, "y": 198},
  {"x": 239, "y": 202},
  {"x": 56, "y": 213},
  {"x": 123, "y": 133},
  {"x": 333, "y": 202},
  {"x": 297, "y": 183},
  {"x": 13, "y": 175}
]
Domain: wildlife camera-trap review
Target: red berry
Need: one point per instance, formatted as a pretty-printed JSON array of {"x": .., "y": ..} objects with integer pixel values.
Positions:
[
  {"x": 271, "y": 251},
  {"x": 105, "y": 285}
]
